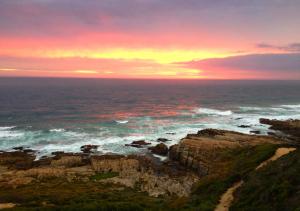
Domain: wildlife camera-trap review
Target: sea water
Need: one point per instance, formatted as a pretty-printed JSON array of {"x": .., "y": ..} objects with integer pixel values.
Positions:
[{"x": 51, "y": 114}]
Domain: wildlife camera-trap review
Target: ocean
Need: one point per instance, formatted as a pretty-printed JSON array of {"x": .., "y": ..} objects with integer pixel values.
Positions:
[{"x": 51, "y": 114}]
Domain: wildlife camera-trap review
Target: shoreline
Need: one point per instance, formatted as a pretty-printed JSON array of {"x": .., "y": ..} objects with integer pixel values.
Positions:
[{"x": 198, "y": 160}]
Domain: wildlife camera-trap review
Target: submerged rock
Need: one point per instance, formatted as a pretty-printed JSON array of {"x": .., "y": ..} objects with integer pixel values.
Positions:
[
  {"x": 159, "y": 149},
  {"x": 88, "y": 148},
  {"x": 138, "y": 144},
  {"x": 244, "y": 126},
  {"x": 255, "y": 131},
  {"x": 162, "y": 140}
]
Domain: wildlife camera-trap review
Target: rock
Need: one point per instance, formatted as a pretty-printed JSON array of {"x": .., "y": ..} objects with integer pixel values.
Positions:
[
  {"x": 88, "y": 148},
  {"x": 170, "y": 133},
  {"x": 162, "y": 140},
  {"x": 18, "y": 148},
  {"x": 138, "y": 144},
  {"x": 17, "y": 160},
  {"x": 159, "y": 149},
  {"x": 210, "y": 132},
  {"x": 255, "y": 131},
  {"x": 289, "y": 127},
  {"x": 114, "y": 163},
  {"x": 68, "y": 161},
  {"x": 244, "y": 126},
  {"x": 200, "y": 151}
]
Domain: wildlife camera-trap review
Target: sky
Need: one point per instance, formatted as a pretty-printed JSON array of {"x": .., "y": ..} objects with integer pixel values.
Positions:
[{"x": 172, "y": 39}]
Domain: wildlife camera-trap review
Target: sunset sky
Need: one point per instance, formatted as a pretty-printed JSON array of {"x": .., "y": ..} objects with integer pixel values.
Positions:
[{"x": 189, "y": 39}]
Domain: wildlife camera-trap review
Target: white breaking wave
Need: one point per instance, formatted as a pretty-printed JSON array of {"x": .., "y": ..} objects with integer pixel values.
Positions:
[
  {"x": 210, "y": 111},
  {"x": 7, "y": 128},
  {"x": 297, "y": 106},
  {"x": 121, "y": 121},
  {"x": 57, "y": 130}
]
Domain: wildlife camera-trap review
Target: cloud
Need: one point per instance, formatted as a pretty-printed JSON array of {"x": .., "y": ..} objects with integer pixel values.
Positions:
[
  {"x": 70, "y": 64},
  {"x": 272, "y": 66},
  {"x": 206, "y": 19},
  {"x": 91, "y": 67},
  {"x": 292, "y": 47}
]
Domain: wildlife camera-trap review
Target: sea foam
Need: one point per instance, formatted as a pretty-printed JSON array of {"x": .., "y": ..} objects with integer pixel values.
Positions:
[{"x": 210, "y": 111}]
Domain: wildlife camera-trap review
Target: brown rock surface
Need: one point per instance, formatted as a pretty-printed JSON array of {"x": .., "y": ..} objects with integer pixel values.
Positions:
[{"x": 198, "y": 151}]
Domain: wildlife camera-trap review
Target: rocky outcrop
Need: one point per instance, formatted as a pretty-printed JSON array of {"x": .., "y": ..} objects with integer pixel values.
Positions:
[
  {"x": 132, "y": 171},
  {"x": 17, "y": 160},
  {"x": 159, "y": 149},
  {"x": 290, "y": 127},
  {"x": 199, "y": 151},
  {"x": 114, "y": 163}
]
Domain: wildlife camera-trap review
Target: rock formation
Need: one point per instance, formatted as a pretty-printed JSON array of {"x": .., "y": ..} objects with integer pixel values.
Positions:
[
  {"x": 290, "y": 127},
  {"x": 159, "y": 149},
  {"x": 199, "y": 151}
]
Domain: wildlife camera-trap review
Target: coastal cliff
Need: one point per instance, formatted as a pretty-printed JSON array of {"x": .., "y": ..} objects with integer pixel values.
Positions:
[{"x": 199, "y": 169}]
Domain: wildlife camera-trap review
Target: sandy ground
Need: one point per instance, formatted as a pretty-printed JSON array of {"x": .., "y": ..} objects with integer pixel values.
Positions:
[
  {"x": 6, "y": 205},
  {"x": 228, "y": 197}
]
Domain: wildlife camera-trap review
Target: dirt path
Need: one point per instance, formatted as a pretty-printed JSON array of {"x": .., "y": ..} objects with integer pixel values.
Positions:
[
  {"x": 6, "y": 205},
  {"x": 227, "y": 197},
  {"x": 279, "y": 153}
]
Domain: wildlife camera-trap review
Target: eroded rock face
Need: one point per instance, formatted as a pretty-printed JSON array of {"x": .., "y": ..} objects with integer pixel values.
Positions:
[
  {"x": 290, "y": 127},
  {"x": 199, "y": 151},
  {"x": 114, "y": 164},
  {"x": 133, "y": 171},
  {"x": 17, "y": 160}
]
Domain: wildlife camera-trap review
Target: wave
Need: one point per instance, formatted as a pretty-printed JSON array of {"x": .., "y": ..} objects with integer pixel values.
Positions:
[
  {"x": 121, "y": 121},
  {"x": 57, "y": 130},
  {"x": 210, "y": 111},
  {"x": 296, "y": 106},
  {"x": 7, "y": 128}
]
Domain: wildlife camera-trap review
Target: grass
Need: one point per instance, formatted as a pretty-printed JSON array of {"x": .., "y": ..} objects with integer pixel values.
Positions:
[
  {"x": 234, "y": 165},
  {"x": 61, "y": 195},
  {"x": 274, "y": 187}
]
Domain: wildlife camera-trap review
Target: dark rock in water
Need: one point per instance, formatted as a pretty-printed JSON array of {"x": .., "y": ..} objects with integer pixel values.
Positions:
[
  {"x": 162, "y": 140},
  {"x": 244, "y": 126},
  {"x": 255, "y": 131},
  {"x": 58, "y": 152},
  {"x": 138, "y": 144},
  {"x": 171, "y": 133},
  {"x": 238, "y": 118},
  {"x": 159, "y": 149},
  {"x": 28, "y": 151},
  {"x": 88, "y": 148},
  {"x": 18, "y": 148}
]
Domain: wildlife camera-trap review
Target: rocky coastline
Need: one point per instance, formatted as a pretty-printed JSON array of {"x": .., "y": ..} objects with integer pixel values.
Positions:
[{"x": 192, "y": 163}]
